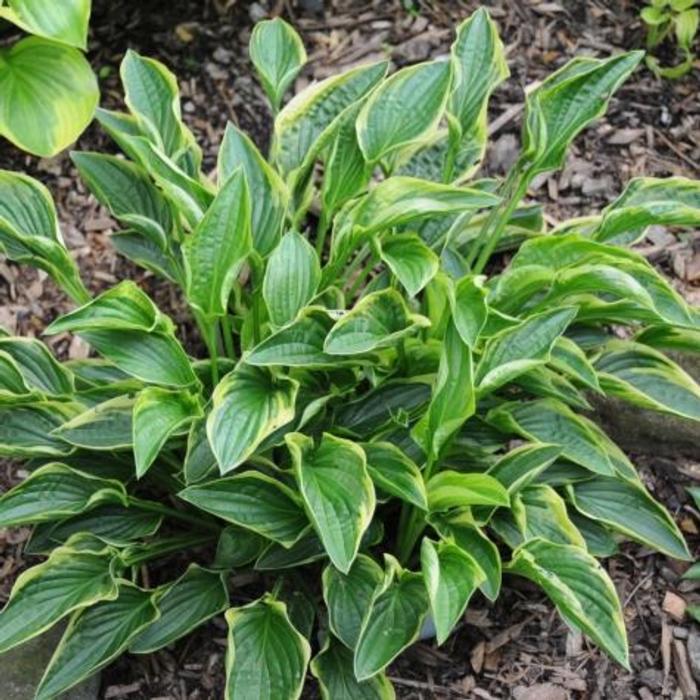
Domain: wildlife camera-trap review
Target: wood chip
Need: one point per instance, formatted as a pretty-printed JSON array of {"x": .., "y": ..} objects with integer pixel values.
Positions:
[
  {"x": 682, "y": 668},
  {"x": 674, "y": 606},
  {"x": 476, "y": 658}
]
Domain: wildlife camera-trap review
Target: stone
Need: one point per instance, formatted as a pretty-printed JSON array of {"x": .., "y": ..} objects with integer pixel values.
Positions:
[
  {"x": 644, "y": 431},
  {"x": 22, "y": 668}
]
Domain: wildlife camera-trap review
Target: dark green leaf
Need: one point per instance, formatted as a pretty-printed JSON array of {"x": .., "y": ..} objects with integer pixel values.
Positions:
[
  {"x": 95, "y": 636},
  {"x": 267, "y": 657},
  {"x": 255, "y": 502},
  {"x": 186, "y": 604},
  {"x": 337, "y": 490},
  {"x": 249, "y": 404},
  {"x": 55, "y": 491}
]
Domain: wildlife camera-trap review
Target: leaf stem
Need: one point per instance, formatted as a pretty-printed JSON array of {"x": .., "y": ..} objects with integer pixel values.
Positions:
[
  {"x": 177, "y": 544},
  {"x": 227, "y": 334},
  {"x": 518, "y": 188},
  {"x": 207, "y": 329},
  {"x": 363, "y": 273},
  {"x": 322, "y": 232},
  {"x": 412, "y": 521},
  {"x": 169, "y": 512}
]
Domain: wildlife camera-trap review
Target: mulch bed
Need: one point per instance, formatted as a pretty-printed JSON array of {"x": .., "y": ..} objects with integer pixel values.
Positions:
[{"x": 518, "y": 647}]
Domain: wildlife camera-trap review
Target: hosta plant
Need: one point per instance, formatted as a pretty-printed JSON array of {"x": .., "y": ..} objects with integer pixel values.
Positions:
[
  {"x": 48, "y": 92},
  {"x": 675, "y": 18},
  {"x": 391, "y": 412}
]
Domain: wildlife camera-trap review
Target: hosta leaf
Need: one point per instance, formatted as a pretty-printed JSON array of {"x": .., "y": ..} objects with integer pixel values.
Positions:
[
  {"x": 127, "y": 191},
  {"x": 545, "y": 382},
  {"x": 378, "y": 320},
  {"x": 249, "y": 404},
  {"x": 413, "y": 263},
  {"x": 545, "y": 516},
  {"x": 646, "y": 201},
  {"x": 517, "y": 285},
  {"x": 268, "y": 193},
  {"x": 106, "y": 426},
  {"x": 380, "y": 407},
  {"x": 26, "y": 431},
  {"x": 580, "y": 588},
  {"x": 346, "y": 172},
  {"x": 573, "y": 251},
  {"x": 199, "y": 459},
  {"x": 550, "y": 421},
  {"x": 304, "y": 126},
  {"x": 113, "y": 523},
  {"x": 29, "y": 231},
  {"x": 278, "y": 54},
  {"x": 566, "y": 102},
  {"x": 155, "y": 357},
  {"x": 669, "y": 338},
  {"x": 255, "y": 502},
  {"x": 124, "y": 307},
  {"x": 66, "y": 24},
  {"x": 451, "y": 577},
  {"x": 333, "y": 667},
  {"x": 520, "y": 466},
  {"x": 392, "y": 623},
  {"x": 395, "y": 473},
  {"x": 159, "y": 414},
  {"x": 56, "y": 491},
  {"x": 190, "y": 196},
  {"x": 403, "y": 108},
  {"x": 300, "y": 344},
  {"x": 643, "y": 376},
  {"x": 49, "y": 94},
  {"x": 599, "y": 280},
  {"x": 305, "y": 550},
  {"x": 337, "y": 490},
  {"x": 599, "y": 540},
  {"x": 187, "y": 603},
  {"x": 451, "y": 489},
  {"x": 628, "y": 508},
  {"x": 469, "y": 308},
  {"x": 460, "y": 528},
  {"x": 267, "y": 657},
  {"x": 291, "y": 279},
  {"x": 568, "y": 358},
  {"x": 454, "y": 399},
  {"x": 152, "y": 95},
  {"x": 12, "y": 384},
  {"x": 215, "y": 251},
  {"x": 519, "y": 348},
  {"x": 479, "y": 66},
  {"x": 237, "y": 547},
  {"x": 348, "y": 597},
  {"x": 401, "y": 200},
  {"x": 95, "y": 636},
  {"x": 145, "y": 253},
  {"x": 442, "y": 158},
  {"x": 38, "y": 367},
  {"x": 66, "y": 581}
]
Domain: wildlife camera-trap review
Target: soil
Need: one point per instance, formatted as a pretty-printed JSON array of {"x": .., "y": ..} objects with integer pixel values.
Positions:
[{"x": 518, "y": 647}]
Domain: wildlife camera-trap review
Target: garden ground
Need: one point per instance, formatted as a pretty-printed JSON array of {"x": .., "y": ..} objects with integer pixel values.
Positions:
[{"x": 518, "y": 647}]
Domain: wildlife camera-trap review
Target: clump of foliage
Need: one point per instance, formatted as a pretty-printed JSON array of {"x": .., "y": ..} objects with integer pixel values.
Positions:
[
  {"x": 677, "y": 18},
  {"x": 48, "y": 92},
  {"x": 386, "y": 420}
]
